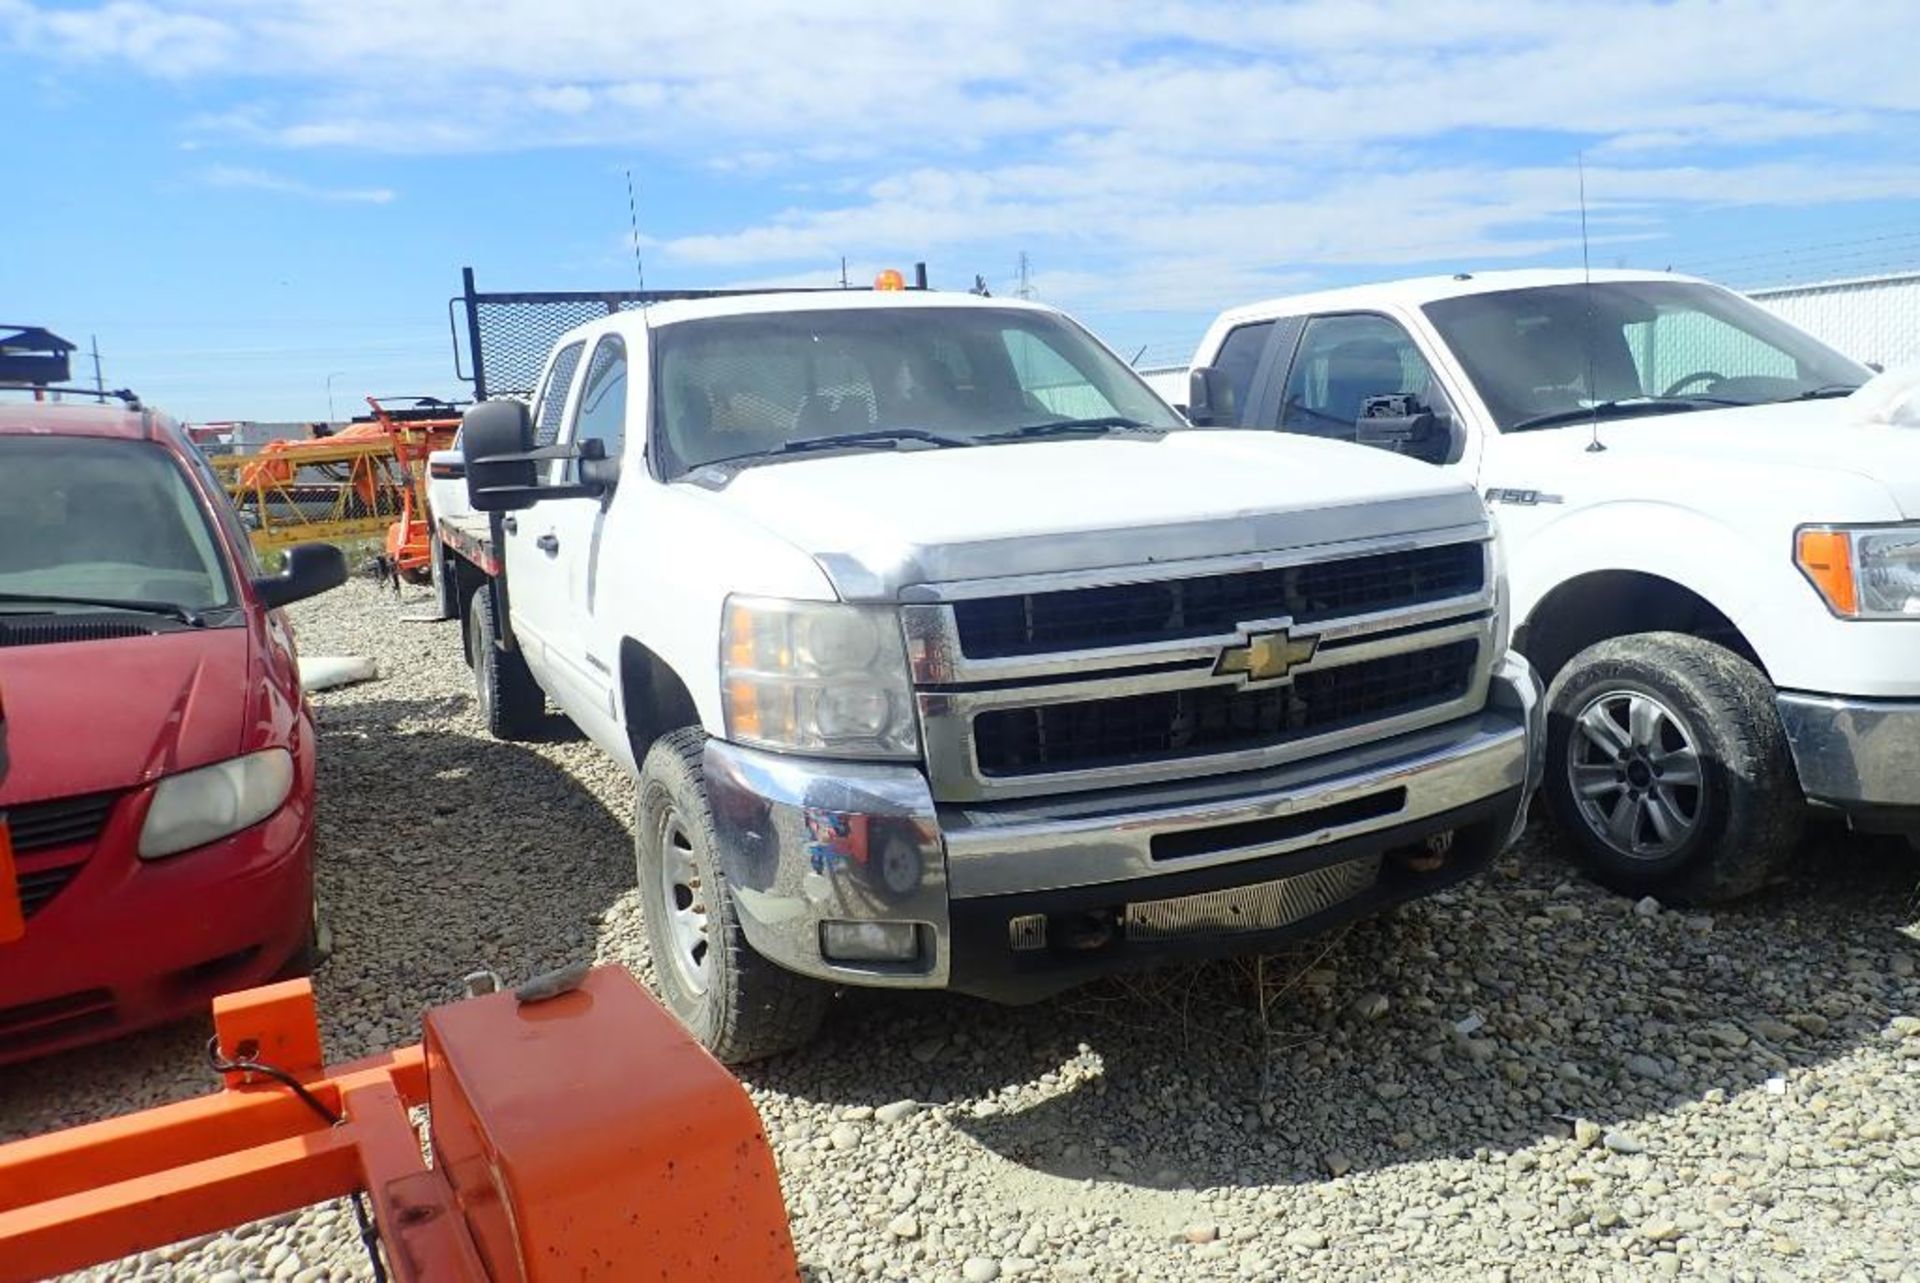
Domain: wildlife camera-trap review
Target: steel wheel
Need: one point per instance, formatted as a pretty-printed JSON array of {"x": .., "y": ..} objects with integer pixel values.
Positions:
[
  {"x": 686, "y": 903},
  {"x": 1635, "y": 775}
]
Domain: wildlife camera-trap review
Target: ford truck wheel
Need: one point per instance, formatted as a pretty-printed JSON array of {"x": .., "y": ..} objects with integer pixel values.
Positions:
[
  {"x": 737, "y": 1004},
  {"x": 510, "y": 701},
  {"x": 1668, "y": 768}
]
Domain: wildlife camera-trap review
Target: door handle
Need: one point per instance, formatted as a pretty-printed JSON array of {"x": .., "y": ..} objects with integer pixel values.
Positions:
[
  {"x": 548, "y": 543},
  {"x": 511, "y": 525}
]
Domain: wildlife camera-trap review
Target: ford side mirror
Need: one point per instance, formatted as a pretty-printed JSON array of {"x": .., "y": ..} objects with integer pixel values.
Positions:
[
  {"x": 1210, "y": 399},
  {"x": 496, "y": 440},
  {"x": 309, "y": 570},
  {"x": 1399, "y": 423}
]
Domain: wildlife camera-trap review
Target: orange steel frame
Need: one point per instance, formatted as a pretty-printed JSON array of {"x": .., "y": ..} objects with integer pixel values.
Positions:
[
  {"x": 409, "y": 544},
  {"x": 583, "y": 1136}
]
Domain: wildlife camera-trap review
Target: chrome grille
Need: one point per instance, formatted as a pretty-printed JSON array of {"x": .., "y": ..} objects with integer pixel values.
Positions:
[
  {"x": 1260, "y": 907},
  {"x": 1202, "y": 605},
  {"x": 1218, "y": 718}
]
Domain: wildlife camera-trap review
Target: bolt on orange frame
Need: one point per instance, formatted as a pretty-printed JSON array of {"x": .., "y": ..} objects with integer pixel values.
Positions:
[{"x": 581, "y": 1136}]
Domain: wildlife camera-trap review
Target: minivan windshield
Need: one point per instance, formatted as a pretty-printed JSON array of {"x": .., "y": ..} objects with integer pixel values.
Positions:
[
  {"x": 91, "y": 520},
  {"x": 1561, "y": 353},
  {"x": 776, "y": 384}
]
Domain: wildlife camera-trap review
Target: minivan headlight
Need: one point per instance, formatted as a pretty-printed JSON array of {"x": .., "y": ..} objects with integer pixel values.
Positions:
[
  {"x": 196, "y": 807},
  {"x": 816, "y": 677},
  {"x": 1870, "y": 572}
]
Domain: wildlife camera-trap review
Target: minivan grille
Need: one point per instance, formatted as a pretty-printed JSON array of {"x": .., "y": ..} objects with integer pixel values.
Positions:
[
  {"x": 1089, "y": 734},
  {"x": 64, "y": 821},
  {"x": 1208, "y": 605}
]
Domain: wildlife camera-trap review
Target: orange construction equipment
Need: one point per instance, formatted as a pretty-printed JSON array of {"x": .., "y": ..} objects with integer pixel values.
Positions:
[
  {"x": 577, "y": 1132},
  {"x": 366, "y": 480}
]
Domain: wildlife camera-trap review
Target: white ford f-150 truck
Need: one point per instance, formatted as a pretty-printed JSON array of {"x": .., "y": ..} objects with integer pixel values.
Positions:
[
  {"x": 946, "y": 655},
  {"x": 1714, "y": 540}
]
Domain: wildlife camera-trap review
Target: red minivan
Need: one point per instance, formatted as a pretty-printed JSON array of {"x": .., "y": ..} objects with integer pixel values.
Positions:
[{"x": 160, "y": 752}]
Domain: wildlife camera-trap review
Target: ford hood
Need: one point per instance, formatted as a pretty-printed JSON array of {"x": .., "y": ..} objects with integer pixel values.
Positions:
[
  {"x": 881, "y": 521},
  {"x": 95, "y": 716}
]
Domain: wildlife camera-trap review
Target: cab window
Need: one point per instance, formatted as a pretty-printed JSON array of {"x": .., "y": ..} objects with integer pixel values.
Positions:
[
  {"x": 1238, "y": 358},
  {"x": 1342, "y": 362},
  {"x": 602, "y": 413},
  {"x": 553, "y": 394}
]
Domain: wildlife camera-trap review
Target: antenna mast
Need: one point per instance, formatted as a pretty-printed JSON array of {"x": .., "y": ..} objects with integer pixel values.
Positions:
[
  {"x": 1586, "y": 337},
  {"x": 633, "y": 227}
]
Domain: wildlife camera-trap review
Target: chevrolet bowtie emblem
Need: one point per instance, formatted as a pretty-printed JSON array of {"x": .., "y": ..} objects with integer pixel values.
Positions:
[{"x": 1267, "y": 656}]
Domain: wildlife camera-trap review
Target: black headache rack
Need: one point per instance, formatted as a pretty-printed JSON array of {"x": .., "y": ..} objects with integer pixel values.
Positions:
[
  {"x": 508, "y": 335},
  {"x": 40, "y": 361}
]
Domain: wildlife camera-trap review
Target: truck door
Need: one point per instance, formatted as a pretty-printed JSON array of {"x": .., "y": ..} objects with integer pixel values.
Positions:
[
  {"x": 584, "y": 663},
  {"x": 537, "y": 605}
]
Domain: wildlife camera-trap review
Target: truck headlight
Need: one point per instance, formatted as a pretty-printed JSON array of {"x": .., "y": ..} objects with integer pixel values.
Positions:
[
  {"x": 1865, "y": 572},
  {"x": 194, "y": 808},
  {"x": 816, "y": 677}
]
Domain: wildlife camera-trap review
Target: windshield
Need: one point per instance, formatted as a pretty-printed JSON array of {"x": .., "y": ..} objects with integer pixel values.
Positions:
[
  {"x": 736, "y": 386},
  {"x": 104, "y": 520},
  {"x": 1549, "y": 354}
]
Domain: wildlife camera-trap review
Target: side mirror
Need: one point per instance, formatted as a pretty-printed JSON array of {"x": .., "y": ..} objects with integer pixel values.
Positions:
[
  {"x": 495, "y": 438},
  {"x": 1399, "y": 423},
  {"x": 310, "y": 569},
  {"x": 1210, "y": 399}
]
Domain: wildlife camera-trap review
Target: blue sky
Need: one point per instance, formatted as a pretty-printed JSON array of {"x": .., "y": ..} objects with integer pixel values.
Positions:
[{"x": 242, "y": 198}]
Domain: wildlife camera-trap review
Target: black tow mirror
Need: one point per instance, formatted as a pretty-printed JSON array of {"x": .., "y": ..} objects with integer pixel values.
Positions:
[
  {"x": 309, "y": 570},
  {"x": 495, "y": 439},
  {"x": 1400, "y": 424},
  {"x": 1210, "y": 399}
]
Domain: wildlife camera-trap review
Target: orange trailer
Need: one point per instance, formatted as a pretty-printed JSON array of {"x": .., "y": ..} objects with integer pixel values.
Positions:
[{"x": 576, "y": 1132}]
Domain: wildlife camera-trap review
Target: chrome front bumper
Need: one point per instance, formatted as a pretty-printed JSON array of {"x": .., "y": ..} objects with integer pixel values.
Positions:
[
  {"x": 1855, "y": 754},
  {"x": 804, "y": 842}
]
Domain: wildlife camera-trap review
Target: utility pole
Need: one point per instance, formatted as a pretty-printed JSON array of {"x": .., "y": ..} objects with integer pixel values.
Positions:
[
  {"x": 330, "y": 378},
  {"x": 1026, "y": 282},
  {"x": 843, "y": 272},
  {"x": 99, "y": 385}
]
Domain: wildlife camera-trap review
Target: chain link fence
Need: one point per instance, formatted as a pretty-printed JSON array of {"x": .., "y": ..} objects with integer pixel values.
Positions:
[{"x": 1873, "y": 318}]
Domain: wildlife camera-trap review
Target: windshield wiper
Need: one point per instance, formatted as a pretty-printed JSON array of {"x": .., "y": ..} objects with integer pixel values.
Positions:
[
  {"x": 171, "y": 609},
  {"x": 1101, "y": 424},
  {"x": 1626, "y": 407},
  {"x": 872, "y": 436},
  {"x": 1826, "y": 390}
]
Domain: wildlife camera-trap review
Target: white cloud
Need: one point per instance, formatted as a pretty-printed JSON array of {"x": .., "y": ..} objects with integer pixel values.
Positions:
[
  {"x": 1146, "y": 150},
  {"x": 236, "y": 177}
]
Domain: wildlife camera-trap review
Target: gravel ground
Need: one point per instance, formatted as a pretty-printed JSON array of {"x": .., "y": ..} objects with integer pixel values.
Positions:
[{"x": 1529, "y": 1078}]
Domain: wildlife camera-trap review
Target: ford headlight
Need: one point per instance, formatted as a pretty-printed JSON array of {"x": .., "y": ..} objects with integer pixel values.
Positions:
[
  {"x": 194, "y": 808},
  {"x": 816, "y": 677},
  {"x": 1863, "y": 573}
]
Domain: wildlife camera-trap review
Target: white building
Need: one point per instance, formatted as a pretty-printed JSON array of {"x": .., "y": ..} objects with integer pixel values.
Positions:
[{"x": 1870, "y": 318}]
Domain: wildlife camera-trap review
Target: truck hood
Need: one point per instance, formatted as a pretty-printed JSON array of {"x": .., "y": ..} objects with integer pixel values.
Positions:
[
  {"x": 880, "y": 522},
  {"x": 1795, "y": 437},
  {"x": 96, "y": 716}
]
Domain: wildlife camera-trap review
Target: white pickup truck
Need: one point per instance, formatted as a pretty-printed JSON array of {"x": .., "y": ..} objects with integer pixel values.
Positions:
[
  {"x": 946, "y": 655},
  {"x": 1715, "y": 539}
]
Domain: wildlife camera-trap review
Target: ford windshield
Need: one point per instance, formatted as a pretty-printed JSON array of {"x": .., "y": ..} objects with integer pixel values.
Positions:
[{"x": 1620, "y": 349}]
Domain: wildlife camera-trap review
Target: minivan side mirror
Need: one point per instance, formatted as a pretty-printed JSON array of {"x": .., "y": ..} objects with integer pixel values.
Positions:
[
  {"x": 1399, "y": 423},
  {"x": 309, "y": 569},
  {"x": 496, "y": 438},
  {"x": 1210, "y": 399}
]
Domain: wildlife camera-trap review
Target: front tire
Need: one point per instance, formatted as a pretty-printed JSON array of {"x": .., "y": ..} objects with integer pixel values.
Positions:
[
  {"x": 1669, "y": 770},
  {"x": 736, "y": 1004},
  {"x": 510, "y": 701}
]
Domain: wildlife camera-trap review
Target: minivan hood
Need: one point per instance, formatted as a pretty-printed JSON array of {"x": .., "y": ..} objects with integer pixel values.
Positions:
[
  {"x": 1795, "y": 436},
  {"x": 881, "y": 521},
  {"x": 96, "y": 716}
]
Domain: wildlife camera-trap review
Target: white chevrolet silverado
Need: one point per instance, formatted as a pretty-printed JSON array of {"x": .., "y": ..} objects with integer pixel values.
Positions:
[
  {"x": 1714, "y": 536},
  {"x": 946, "y": 655}
]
